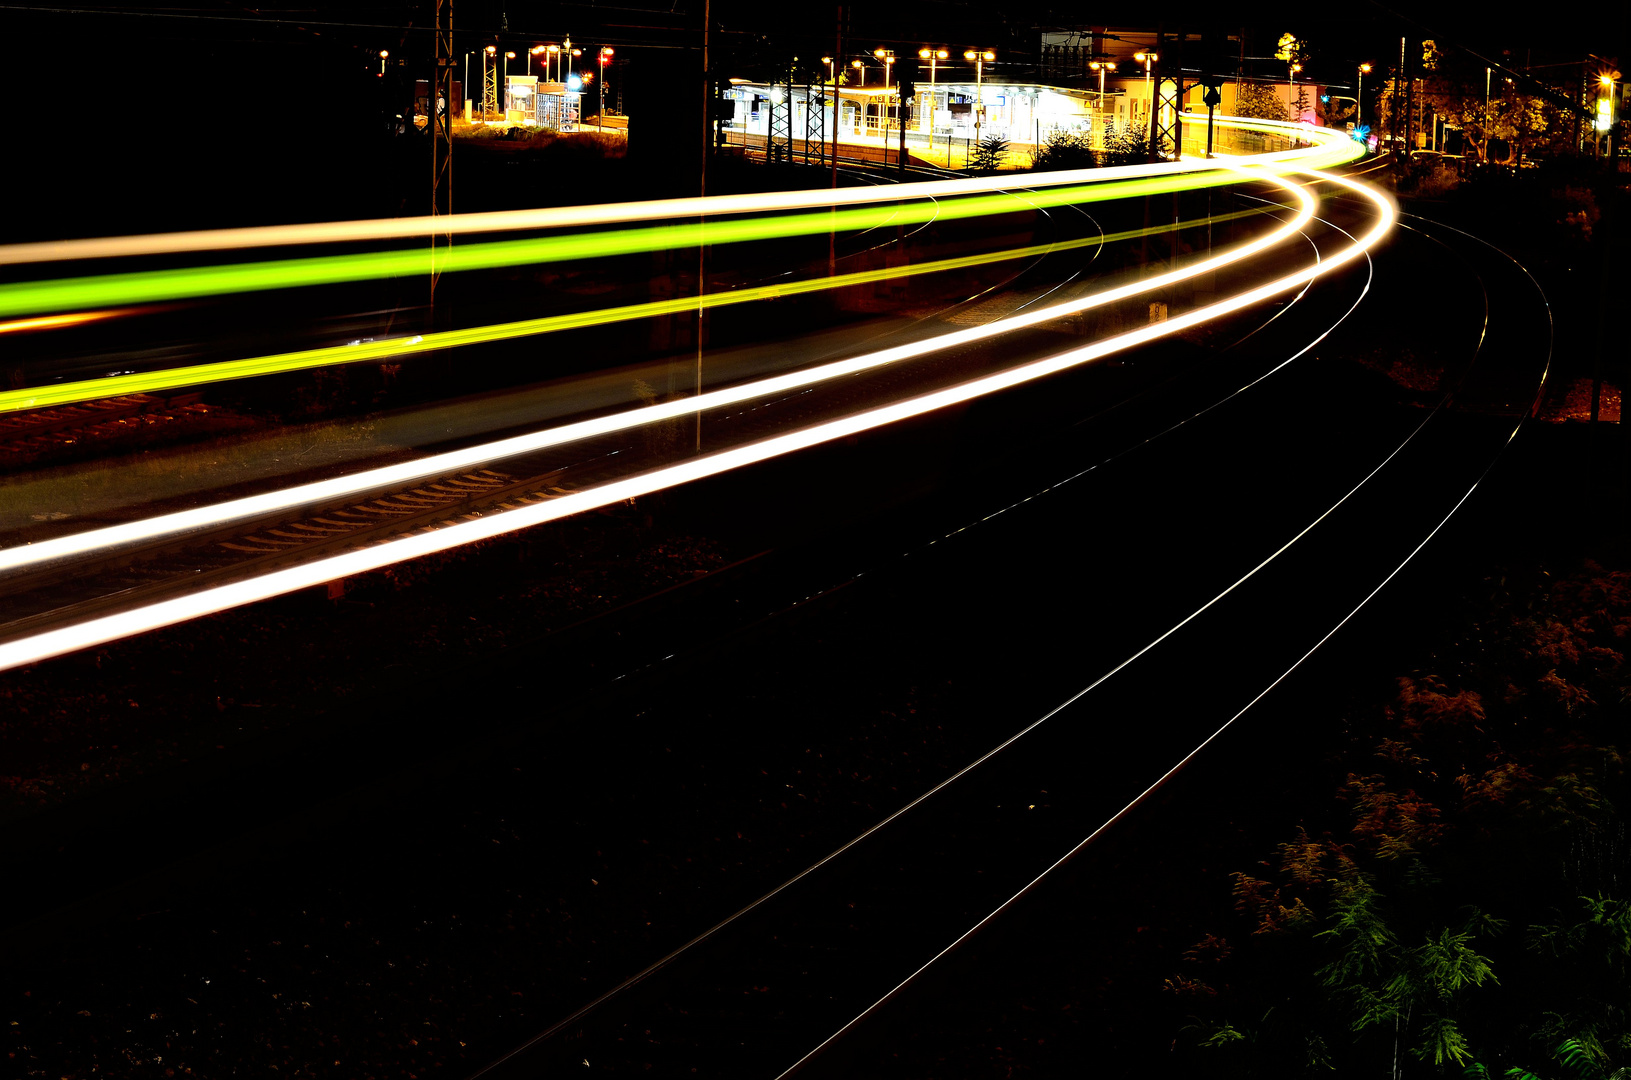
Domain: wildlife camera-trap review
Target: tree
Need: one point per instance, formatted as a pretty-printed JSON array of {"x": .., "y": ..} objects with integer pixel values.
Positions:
[
  {"x": 1064, "y": 150},
  {"x": 988, "y": 153},
  {"x": 1259, "y": 101}
]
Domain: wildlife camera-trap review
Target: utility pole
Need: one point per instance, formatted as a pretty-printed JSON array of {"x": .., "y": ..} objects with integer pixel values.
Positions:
[
  {"x": 838, "y": 64},
  {"x": 1401, "y": 102},
  {"x": 441, "y": 136},
  {"x": 702, "y": 189}
]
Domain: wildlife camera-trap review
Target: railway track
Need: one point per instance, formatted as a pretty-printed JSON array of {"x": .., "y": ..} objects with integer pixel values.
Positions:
[
  {"x": 946, "y": 858},
  {"x": 428, "y": 509},
  {"x": 128, "y": 578}
]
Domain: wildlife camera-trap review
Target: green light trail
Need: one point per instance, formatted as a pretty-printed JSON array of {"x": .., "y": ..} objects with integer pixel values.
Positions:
[
  {"x": 74, "y": 294},
  {"x": 40, "y": 397}
]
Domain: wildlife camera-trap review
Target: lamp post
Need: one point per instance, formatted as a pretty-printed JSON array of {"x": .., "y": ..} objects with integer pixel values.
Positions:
[
  {"x": 1101, "y": 67},
  {"x": 1359, "y": 105},
  {"x": 979, "y": 59},
  {"x": 1604, "y": 122},
  {"x": 832, "y": 75},
  {"x": 606, "y": 52},
  {"x": 536, "y": 50},
  {"x": 1148, "y": 58},
  {"x": 1294, "y": 69},
  {"x": 383, "y": 55},
  {"x": 858, "y": 66},
  {"x": 550, "y": 53},
  {"x": 933, "y": 56},
  {"x": 886, "y": 57}
]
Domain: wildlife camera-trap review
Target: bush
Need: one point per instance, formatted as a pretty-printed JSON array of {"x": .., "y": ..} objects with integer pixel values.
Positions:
[
  {"x": 1064, "y": 150},
  {"x": 988, "y": 153},
  {"x": 1128, "y": 147}
]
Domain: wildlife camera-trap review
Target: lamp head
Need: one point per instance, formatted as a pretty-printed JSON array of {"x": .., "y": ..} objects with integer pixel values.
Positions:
[
  {"x": 1364, "y": 69},
  {"x": 969, "y": 55},
  {"x": 509, "y": 56},
  {"x": 491, "y": 49},
  {"x": 383, "y": 53}
]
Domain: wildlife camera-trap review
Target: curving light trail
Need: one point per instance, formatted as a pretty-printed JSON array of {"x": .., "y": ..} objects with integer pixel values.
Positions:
[
  {"x": 96, "y": 541},
  {"x": 621, "y": 213},
  {"x": 148, "y": 286},
  {"x": 147, "y": 382},
  {"x": 106, "y": 628}
]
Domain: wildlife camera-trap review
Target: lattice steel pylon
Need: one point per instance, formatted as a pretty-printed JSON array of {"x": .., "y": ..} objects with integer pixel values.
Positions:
[
  {"x": 779, "y": 132},
  {"x": 441, "y": 137},
  {"x": 489, "y": 88},
  {"x": 815, "y": 124},
  {"x": 1166, "y": 129}
]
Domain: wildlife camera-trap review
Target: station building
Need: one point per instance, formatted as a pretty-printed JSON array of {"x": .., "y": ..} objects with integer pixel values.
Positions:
[{"x": 1098, "y": 82}]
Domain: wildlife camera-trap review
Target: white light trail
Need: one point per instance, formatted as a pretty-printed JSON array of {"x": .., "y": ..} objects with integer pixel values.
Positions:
[
  {"x": 98, "y": 541},
  {"x": 107, "y": 628},
  {"x": 609, "y": 214}
]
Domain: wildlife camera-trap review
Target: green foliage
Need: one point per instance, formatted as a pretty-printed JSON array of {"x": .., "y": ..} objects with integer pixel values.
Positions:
[
  {"x": 1222, "y": 1036},
  {"x": 1259, "y": 101},
  {"x": 1130, "y": 146},
  {"x": 1065, "y": 150},
  {"x": 988, "y": 153},
  {"x": 1442, "y": 1042},
  {"x": 1480, "y": 798}
]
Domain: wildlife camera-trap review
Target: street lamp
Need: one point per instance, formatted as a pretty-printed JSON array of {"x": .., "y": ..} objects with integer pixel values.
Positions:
[
  {"x": 858, "y": 66},
  {"x": 600, "y": 117},
  {"x": 933, "y": 56},
  {"x": 536, "y": 50},
  {"x": 1101, "y": 68},
  {"x": 979, "y": 59},
  {"x": 1148, "y": 58},
  {"x": 888, "y": 57},
  {"x": 1604, "y": 122},
  {"x": 832, "y": 76},
  {"x": 1294, "y": 69},
  {"x": 383, "y": 54},
  {"x": 552, "y": 51},
  {"x": 1359, "y": 115}
]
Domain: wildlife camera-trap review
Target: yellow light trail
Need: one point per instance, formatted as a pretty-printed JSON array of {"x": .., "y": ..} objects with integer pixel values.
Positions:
[
  {"x": 106, "y": 628},
  {"x": 56, "y": 322},
  {"x": 148, "y": 382},
  {"x": 94, "y": 541}
]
